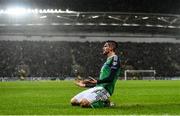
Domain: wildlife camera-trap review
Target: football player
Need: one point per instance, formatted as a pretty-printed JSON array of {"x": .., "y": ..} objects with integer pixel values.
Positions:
[{"x": 99, "y": 95}]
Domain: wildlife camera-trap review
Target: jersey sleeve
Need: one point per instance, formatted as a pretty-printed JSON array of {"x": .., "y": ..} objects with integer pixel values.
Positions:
[{"x": 89, "y": 85}]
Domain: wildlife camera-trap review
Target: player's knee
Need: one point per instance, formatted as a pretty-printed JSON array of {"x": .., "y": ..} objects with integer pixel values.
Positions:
[
  {"x": 84, "y": 103},
  {"x": 74, "y": 102}
]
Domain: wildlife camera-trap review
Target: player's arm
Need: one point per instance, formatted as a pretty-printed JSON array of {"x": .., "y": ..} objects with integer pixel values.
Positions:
[
  {"x": 90, "y": 85},
  {"x": 85, "y": 83}
]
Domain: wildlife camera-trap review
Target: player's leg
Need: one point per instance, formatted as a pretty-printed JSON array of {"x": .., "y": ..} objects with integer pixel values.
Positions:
[
  {"x": 96, "y": 104},
  {"x": 85, "y": 103},
  {"x": 85, "y": 98},
  {"x": 100, "y": 103},
  {"x": 76, "y": 100},
  {"x": 95, "y": 97}
]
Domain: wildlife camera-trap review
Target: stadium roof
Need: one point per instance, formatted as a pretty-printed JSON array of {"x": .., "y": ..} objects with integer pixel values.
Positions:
[
  {"x": 141, "y": 6},
  {"x": 53, "y": 16}
]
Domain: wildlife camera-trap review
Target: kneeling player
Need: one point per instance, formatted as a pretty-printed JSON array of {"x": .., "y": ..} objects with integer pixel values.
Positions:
[{"x": 98, "y": 96}]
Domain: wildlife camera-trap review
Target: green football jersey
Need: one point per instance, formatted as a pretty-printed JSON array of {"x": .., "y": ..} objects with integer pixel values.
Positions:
[{"x": 109, "y": 73}]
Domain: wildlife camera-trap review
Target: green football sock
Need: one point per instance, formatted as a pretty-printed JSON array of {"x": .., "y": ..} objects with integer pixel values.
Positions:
[{"x": 98, "y": 104}]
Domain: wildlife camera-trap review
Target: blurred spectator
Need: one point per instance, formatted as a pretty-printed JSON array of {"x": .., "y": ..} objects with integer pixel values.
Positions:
[{"x": 58, "y": 58}]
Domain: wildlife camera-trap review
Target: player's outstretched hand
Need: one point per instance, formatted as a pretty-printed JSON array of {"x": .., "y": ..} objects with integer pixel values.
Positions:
[
  {"x": 80, "y": 83},
  {"x": 91, "y": 82}
]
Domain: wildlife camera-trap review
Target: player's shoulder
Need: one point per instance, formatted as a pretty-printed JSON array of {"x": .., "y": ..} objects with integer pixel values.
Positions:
[
  {"x": 114, "y": 62},
  {"x": 114, "y": 58}
]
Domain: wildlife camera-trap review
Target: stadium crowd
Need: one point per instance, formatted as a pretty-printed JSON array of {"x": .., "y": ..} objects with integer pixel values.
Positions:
[{"x": 58, "y": 58}]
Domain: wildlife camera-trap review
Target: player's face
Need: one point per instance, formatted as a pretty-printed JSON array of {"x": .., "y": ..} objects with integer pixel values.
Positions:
[{"x": 106, "y": 49}]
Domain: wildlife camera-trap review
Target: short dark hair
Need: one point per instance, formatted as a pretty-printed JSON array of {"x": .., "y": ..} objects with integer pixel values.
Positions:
[{"x": 113, "y": 44}]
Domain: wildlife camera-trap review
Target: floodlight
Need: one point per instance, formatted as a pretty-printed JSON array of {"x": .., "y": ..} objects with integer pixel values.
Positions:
[
  {"x": 40, "y": 11},
  {"x": 1, "y": 11},
  {"x": 35, "y": 11},
  {"x": 16, "y": 11}
]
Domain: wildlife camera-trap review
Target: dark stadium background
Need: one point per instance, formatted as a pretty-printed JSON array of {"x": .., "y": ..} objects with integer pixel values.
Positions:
[
  {"x": 51, "y": 50},
  {"x": 148, "y": 6}
]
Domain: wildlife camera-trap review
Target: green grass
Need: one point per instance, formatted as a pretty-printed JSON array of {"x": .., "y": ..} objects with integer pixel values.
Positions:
[{"x": 53, "y": 97}]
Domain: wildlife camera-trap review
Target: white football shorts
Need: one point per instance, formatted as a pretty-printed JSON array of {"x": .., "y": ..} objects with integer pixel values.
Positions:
[{"x": 93, "y": 94}]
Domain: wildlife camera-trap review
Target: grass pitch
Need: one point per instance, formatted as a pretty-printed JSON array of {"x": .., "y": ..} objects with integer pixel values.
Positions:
[{"x": 53, "y": 98}]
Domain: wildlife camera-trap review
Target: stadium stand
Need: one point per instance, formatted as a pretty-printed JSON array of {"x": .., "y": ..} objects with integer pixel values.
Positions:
[{"x": 56, "y": 58}]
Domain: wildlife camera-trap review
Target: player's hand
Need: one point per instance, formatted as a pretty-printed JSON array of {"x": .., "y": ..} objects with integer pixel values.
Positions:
[
  {"x": 87, "y": 82},
  {"x": 92, "y": 80},
  {"x": 80, "y": 83}
]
